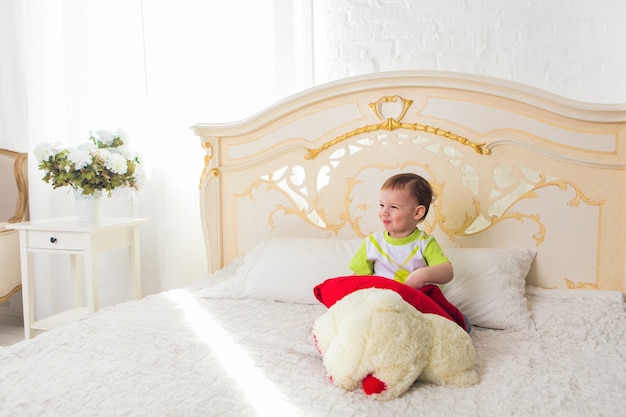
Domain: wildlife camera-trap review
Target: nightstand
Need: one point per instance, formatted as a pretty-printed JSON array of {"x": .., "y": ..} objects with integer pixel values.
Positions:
[{"x": 65, "y": 235}]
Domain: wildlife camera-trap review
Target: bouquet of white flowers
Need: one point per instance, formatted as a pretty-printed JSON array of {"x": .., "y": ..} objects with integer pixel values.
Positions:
[{"x": 102, "y": 164}]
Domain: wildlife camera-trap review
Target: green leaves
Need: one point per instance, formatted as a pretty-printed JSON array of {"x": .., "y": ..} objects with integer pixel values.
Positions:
[{"x": 61, "y": 171}]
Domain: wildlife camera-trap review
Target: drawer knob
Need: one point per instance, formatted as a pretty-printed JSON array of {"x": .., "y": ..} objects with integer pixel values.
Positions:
[{"x": 53, "y": 239}]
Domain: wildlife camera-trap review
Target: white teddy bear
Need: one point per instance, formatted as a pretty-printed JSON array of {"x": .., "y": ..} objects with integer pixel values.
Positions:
[{"x": 373, "y": 338}]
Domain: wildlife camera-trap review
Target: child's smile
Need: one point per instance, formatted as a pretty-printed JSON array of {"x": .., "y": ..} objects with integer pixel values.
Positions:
[{"x": 399, "y": 213}]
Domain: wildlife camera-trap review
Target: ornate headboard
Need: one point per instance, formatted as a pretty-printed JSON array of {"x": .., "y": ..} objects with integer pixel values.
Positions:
[{"x": 511, "y": 166}]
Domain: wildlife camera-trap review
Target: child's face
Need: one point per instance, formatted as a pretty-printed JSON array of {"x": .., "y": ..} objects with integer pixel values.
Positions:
[{"x": 399, "y": 212}]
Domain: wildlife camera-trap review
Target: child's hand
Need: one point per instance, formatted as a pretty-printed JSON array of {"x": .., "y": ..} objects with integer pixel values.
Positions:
[
  {"x": 437, "y": 274},
  {"x": 417, "y": 278}
]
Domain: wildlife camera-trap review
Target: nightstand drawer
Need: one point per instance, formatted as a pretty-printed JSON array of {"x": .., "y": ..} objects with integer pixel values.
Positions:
[{"x": 56, "y": 240}]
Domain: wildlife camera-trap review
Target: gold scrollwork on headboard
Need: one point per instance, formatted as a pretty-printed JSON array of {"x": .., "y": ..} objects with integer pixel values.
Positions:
[
  {"x": 391, "y": 123},
  {"x": 207, "y": 161}
]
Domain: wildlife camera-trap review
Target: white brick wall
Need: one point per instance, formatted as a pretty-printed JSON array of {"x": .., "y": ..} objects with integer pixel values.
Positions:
[{"x": 574, "y": 48}]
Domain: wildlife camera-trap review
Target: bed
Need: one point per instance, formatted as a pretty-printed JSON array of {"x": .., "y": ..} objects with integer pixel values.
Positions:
[{"x": 530, "y": 202}]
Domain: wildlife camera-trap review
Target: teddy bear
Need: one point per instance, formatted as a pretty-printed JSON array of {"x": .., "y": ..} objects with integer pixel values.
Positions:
[{"x": 373, "y": 338}]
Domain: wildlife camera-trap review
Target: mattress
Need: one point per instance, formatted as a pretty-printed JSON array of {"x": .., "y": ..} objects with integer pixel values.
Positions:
[{"x": 183, "y": 353}]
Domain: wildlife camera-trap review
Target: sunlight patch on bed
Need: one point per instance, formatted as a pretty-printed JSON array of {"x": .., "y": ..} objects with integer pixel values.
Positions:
[{"x": 260, "y": 392}]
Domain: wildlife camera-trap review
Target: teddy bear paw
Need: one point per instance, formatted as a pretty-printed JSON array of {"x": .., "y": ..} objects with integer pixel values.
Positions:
[{"x": 372, "y": 385}]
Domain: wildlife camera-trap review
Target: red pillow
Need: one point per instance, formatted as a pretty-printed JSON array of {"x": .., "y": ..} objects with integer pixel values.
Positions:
[{"x": 428, "y": 299}]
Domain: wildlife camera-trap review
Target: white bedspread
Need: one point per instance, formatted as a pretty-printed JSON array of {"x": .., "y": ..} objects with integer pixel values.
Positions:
[{"x": 178, "y": 354}]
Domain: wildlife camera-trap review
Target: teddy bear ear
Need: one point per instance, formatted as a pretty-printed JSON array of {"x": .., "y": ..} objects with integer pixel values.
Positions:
[{"x": 382, "y": 299}]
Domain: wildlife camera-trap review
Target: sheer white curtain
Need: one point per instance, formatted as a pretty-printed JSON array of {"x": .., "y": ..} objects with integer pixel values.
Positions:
[{"x": 154, "y": 68}]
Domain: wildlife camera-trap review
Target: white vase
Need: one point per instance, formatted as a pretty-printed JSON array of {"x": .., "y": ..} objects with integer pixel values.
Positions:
[{"x": 87, "y": 206}]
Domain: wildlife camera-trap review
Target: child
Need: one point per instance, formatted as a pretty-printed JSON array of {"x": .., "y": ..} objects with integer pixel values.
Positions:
[{"x": 403, "y": 252}]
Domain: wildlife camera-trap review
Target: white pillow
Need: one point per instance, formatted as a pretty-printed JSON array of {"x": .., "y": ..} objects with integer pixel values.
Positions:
[
  {"x": 489, "y": 283},
  {"x": 287, "y": 269},
  {"x": 489, "y": 286}
]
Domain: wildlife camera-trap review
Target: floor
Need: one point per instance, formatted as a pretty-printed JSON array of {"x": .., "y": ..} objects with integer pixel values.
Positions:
[{"x": 11, "y": 329}]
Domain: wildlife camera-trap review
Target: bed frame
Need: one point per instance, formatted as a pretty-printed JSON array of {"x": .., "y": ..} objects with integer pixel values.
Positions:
[{"x": 512, "y": 166}]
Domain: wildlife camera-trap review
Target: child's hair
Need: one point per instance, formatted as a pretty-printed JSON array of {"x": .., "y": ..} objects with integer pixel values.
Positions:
[{"x": 417, "y": 186}]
